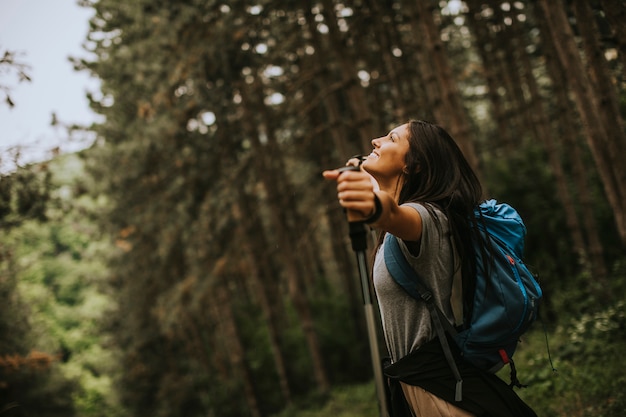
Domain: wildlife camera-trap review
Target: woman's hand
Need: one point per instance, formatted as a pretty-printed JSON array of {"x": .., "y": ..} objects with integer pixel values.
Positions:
[
  {"x": 358, "y": 191},
  {"x": 355, "y": 192}
]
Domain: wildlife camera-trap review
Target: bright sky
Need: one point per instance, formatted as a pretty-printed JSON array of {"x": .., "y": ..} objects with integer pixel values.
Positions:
[{"x": 45, "y": 33}]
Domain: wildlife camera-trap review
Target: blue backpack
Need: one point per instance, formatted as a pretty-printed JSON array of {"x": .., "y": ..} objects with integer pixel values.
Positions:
[{"x": 506, "y": 298}]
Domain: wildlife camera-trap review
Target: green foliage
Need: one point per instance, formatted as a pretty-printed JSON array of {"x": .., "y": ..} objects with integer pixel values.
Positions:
[
  {"x": 525, "y": 180},
  {"x": 23, "y": 195},
  {"x": 344, "y": 350},
  {"x": 59, "y": 266},
  {"x": 300, "y": 366},
  {"x": 586, "y": 351},
  {"x": 587, "y": 355},
  {"x": 357, "y": 400},
  {"x": 31, "y": 381},
  {"x": 260, "y": 360}
]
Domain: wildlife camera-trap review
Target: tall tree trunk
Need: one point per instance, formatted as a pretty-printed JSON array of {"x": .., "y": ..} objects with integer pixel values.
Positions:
[
  {"x": 615, "y": 14},
  {"x": 287, "y": 203},
  {"x": 328, "y": 113},
  {"x": 607, "y": 101},
  {"x": 541, "y": 125},
  {"x": 591, "y": 253},
  {"x": 607, "y": 154},
  {"x": 362, "y": 119},
  {"x": 443, "y": 91},
  {"x": 331, "y": 114},
  {"x": 509, "y": 50},
  {"x": 222, "y": 312},
  {"x": 380, "y": 19},
  {"x": 275, "y": 187},
  {"x": 415, "y": 102},
  {"x": 264, "y": 280},
  {"x": 491, "y": 69}
]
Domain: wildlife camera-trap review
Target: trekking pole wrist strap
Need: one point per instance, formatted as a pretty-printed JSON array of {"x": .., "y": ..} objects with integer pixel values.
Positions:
[{"x": 378, "y": 211}]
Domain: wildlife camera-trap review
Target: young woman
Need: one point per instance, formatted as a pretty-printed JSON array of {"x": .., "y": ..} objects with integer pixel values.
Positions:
[{"x": 417, "y": 185}]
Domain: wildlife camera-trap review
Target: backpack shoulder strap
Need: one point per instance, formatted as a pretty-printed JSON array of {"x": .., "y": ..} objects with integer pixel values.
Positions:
[
  {"x": 405, "y": 276},
  {"x": 402, "y": 272}
]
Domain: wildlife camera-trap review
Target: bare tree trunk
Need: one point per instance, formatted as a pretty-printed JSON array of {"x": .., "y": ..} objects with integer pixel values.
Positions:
[
  {"x": 442, "y": 89},
  {"x": 361, "y": 119},
  {"x": 273, "y": 182},
  {"x": 602, "y": 81},
  {"x": 607, "y": 100},
  {"x": 517, "y": 110},
  {"x": 491, "y": 69},
  {"x": 264, "y": 281},
  {"x": 608, "y": 154},
  {"x": 590, "y": 252},
  {"x": 541, "y": 124},
  {"x": 382, "y": 35},
  {"x": 221, "y": 310},
  {"x": 328, "y": 110},
  {"x": 518, "y": 66},
  {"x": 615, "y": 14},
  {"x": 331, "y": 115},
  {"x": 411, "y": 88},
  {"x": 412, "y": 102}
]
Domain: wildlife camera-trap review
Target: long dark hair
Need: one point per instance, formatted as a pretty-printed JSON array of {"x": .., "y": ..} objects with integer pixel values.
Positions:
[{"x": 439, "y": 174}]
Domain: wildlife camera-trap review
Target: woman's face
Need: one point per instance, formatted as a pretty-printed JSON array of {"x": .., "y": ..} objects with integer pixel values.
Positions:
[{"x": 387, "y": 160}]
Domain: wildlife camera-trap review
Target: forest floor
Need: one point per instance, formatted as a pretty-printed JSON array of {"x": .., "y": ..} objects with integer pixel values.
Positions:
[{"x": 575, "y": 370}]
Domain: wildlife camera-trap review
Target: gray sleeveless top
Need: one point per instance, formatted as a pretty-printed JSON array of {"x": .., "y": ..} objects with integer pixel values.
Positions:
[{"x": 406, "y": 321}]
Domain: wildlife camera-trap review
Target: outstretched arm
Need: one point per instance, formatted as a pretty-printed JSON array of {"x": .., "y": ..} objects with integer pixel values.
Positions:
[{"x": 357, "y": 192}]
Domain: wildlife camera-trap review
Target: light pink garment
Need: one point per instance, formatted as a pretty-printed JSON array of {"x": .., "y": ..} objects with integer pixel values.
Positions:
[{"x": 425, "y": 404}]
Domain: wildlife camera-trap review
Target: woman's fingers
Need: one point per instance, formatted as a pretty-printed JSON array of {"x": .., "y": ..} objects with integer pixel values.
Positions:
[
  {"x": 355, "y": 162},
  {"x": 331, "y": 174},
  {"x": 355, "y": 191},
  {"x": 356, "y": 195},
  {"x": 358, "y": 200}
]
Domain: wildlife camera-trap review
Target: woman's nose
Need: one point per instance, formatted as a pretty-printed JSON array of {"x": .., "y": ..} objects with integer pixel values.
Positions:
[{"x": 376, "y": 142}]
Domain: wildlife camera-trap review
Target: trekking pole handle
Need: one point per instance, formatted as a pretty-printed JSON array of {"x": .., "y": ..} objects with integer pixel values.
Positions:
[
  {"x": 357, "y": 231},
  {"x": 349, "y": 213}
]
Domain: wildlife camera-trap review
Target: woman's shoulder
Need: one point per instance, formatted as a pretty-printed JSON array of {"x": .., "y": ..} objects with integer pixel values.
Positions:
[
  {"x": 434, "y": 220},
  {"x": 426, "y": 209}
]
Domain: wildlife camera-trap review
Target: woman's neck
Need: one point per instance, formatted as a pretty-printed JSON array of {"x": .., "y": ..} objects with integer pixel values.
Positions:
[{"x": 392, "y": 186}]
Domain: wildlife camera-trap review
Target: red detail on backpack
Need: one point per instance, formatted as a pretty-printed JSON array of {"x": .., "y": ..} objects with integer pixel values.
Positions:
[
  {"x": 511, "y": 260},
  {"x": 504, "y": 356}
]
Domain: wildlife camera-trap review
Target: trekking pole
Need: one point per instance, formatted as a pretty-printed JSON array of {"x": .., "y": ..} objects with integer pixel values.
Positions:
[{"x": 358, "y": 237}]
